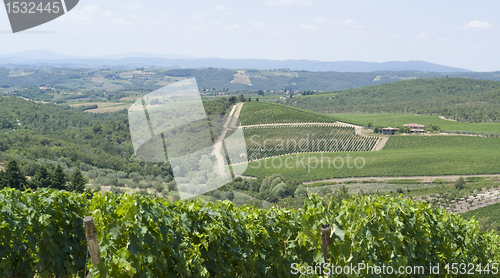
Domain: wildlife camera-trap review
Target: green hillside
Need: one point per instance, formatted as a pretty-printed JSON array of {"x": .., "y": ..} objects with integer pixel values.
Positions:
[
  {"x": 19, "y": 114},
  {"x": 74, "y": 137},
  {"x": 402, "y": 156},
  {"x": 467, "y": 100},
  {"x": 488, "y": 216},
  {"x": 255, "y": 113},
  {"x": 383, "y": 120},
  {"x": 60, "y": 85}
]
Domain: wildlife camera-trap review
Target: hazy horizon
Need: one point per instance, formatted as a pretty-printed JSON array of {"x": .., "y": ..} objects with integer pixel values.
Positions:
[{"x": 461, "y": 34}]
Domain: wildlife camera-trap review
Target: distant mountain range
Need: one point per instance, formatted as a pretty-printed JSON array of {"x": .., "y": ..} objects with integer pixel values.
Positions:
[{"x": 34, "y": 58}]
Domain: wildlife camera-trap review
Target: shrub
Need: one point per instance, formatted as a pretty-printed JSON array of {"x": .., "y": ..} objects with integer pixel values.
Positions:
[
  {"x": 460, "y": 183},
  {"x": 171, "y": 185},
  {"x": 120, "y": 183},
  {"x": 121, "y": 175},
  {"x": 92, "y": 174},
  {"x": 136, "y": 179},
  {"x": 132, "y": 184},
  {"x": 164, "y": 193},
  {"x": 95, "y": 188},
  {"x": 280, "y": 190},
  {"x": 300, "y": 192},
  {"x": 116, "y": 190},
  {"x": 159, "y": 179},
  {"x": 438, "y": 181},
  {"x": 158, "y": 187},
  {"x": 85, "y": 167}
]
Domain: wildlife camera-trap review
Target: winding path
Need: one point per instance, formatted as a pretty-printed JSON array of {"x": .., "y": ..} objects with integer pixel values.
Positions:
[{"x": 230, "y": 123}]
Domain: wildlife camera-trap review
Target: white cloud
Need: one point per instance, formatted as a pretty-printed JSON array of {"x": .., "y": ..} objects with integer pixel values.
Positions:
[
  {"x": 222, "y": 8},
  {"x": 106, "y": 14},
  {"x": 426, "y": 36},
  {"x": 233, "y": 27},
  {"x": 207, "y": 25},
  {"x": 135, "y": 7},
  {"x": 476, "y": 24},
  {"x": 289, "y": 2},
  {"x": 308, "y": 27},
  {"x": 351, "y": 24},
  {"x": 121, "y": 21},
  {"x": 258, "y": 25},
  {"x": 321, "y": 20},
  {"x": 88, "y": 14}
]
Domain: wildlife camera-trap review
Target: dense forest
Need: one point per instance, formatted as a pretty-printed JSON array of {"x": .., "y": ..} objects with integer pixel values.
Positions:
[
  {"x": 467, "y": 100},
  {"x": 45, "y": 136},
  {"x": 37, "y": 131}
]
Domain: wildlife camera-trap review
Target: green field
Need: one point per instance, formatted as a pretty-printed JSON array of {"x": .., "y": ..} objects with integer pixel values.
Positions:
[
  {"x": 402, "y": 156},
  {"x": 254, "y": 113},
  {"x": 445, "y": 125},
  {"x": 268, "y": 141},
  {"x": 489, "y": 216}
]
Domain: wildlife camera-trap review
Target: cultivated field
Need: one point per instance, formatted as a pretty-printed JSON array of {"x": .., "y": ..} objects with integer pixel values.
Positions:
[
  {"x": 255, "y": 113},
  {"x": 269, "y": 141},
  {"x": 242, "y": 78},
  {"x": 402, "y": 156},
  {"x": 109, "y": 109},
  {"x": 490, "y": 213},
  {"x": 99, "y": 104}
]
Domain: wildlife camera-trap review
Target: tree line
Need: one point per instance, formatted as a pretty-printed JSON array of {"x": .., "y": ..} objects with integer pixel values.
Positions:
[
  {"x": 45, "y": 177},
  {"x": 466, "y": 100}
]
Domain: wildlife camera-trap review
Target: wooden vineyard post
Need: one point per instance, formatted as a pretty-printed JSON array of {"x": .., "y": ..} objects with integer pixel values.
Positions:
[
  {"x": 326, "y": 240},
  {"x": 92, "y": 240}
]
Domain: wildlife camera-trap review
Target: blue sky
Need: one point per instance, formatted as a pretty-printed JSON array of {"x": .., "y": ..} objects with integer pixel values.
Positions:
[{"x": 463, "y": 34}]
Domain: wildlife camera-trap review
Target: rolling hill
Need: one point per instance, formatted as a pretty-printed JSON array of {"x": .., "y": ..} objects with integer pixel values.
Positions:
[
  {"x": 18, "y": 77},
  {"x": 134, "y": 60},
  {"x": 462, "y": 99},
  {"x": 256, "y": 113}
]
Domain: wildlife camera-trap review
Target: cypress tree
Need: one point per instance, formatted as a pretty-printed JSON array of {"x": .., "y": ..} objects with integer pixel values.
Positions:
[
  {"x": 3, "y": 181},
  {"x": 58, "y": 178},
  {"x": 77, "y": 181},
  {"x": 13, "y": 176},
  {"x": 42, "y": 178}
]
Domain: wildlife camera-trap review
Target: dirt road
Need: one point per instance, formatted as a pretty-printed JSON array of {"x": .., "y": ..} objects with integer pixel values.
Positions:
[
  {"x": 423, "y": 178},
  {"x": 217, "y": 151},
  {"x": 380, "y": 143}
]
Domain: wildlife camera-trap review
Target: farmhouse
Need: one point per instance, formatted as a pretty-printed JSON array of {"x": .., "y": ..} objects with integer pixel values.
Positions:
[
  {"x": 389, "y": 130},
  {"x": 414, "y": 127}
]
